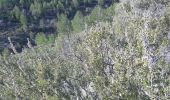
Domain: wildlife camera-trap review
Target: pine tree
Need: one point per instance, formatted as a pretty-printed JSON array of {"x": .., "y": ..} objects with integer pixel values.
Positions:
[
  {"x": 36, "y": 8},
  {"x": 101, "y": 2},
  {"x": 63, "y": 25},
  {"x": 76, "y": 3},
  {"x": 23, "y": 21},
  {"x": 96, "y": 15},
  {"x": 77, "y": 22},
  {"x": 17, "y": 12}
]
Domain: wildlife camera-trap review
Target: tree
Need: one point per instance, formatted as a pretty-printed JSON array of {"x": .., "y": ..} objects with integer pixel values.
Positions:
[
  {"x": 17, "y": 12},
  {"x": 95, "y": 15},
  {"x": 63, "y": 24},
  {"x": 109, "y": 13},
  {"x": 51, "y": 38},
  {"x": 23, "y": 20},
  {"x": 21, "y": 3},
  {"x": 3, "y": 3},
  {"x": 41, "y": 39},
  {"x": 101, "y": 2},
  {"x": 36, "y": 8},
  {"x": 31, "y": 35},
  {"x": 85, "y": 1},
  {"x": 78, "y": 22},
  {"x": 60, "y": 6},
  {"x": 76, "y": 3},
  {"x": 89, "y": 1}
]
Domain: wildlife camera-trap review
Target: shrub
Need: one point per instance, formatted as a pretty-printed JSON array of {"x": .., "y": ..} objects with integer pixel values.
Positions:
[{"x": 41, "y": 39}]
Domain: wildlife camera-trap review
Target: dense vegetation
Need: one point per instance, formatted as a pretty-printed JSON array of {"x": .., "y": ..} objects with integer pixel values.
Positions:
[
  {"x": 21, "y": 19},
  {"x": 125, "y": 58}
]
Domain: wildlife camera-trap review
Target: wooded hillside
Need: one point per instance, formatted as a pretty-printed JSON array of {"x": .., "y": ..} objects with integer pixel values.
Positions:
[
  {"x": 22, "y": 19},
  {"x": 127, "y": 58}
]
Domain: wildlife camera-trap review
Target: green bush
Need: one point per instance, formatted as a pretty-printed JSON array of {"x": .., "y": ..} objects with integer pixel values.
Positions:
[{"x": 41, "y": 39}]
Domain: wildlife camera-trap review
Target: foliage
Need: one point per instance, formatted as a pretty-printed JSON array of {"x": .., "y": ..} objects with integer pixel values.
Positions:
[
  {"x": 46, "y": 16},
  {"x": 123, "y": 59},
  {"x": 78, "y": 22},
  {"x": 17, "y": 12},
  {"x": 36, "y": 8},
  {"x": 63, "y": 24},
  {"x": 23, "y": 20},
  {"x": 51, "y": 38},
  {"x": 101, "y": 2},
  {"x": 41, "y": 39}
]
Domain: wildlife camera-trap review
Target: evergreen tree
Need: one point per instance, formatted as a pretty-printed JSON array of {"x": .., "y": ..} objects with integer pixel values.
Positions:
[
  {"x": 36, "y": 8},
  {"x": 101, "y": 2},
  {"x": 17, "y": 12},
  {"x": 60, "y": 6},
  {"x": 63, "y": 24},
  {"x": 78, "y": 22},
  {"x": 96, "y": 15},
  {"x": 41, "y": 39},
  {"x": 89, "y": 1},
  {"x": 23, "y": 20},
  {"x": 109, "y": 13},
  {"x": 76, "y": 3},
  {"x": 21, "y": 3},
  {"x": 3, "y": 3}
]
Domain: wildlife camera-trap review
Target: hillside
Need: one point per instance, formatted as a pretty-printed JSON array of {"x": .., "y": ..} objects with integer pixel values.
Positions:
[
  {"x": 22, "y": 19},
  {"x": 127, "y": 58}
]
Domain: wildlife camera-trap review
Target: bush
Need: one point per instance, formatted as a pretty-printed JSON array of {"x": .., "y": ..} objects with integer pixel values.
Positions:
[{"x": 41, "y": 39}]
